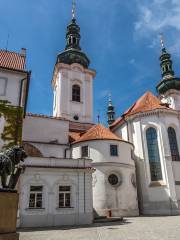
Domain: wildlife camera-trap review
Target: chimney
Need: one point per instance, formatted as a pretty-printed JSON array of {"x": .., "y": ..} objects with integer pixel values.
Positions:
[{"x": 23, "y": 52}]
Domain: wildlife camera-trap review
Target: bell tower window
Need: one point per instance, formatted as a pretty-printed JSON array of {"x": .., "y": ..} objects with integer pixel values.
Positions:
[{"x": 76, "y": 93}]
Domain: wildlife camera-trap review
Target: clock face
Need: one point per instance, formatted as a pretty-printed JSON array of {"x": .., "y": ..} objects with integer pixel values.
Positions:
[
  {"x": 169, "y": 101},
  {"x": 166, "y": 100}
]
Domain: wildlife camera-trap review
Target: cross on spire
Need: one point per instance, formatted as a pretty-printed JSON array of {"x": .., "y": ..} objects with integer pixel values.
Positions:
[
  {"x": 162, "y": 40},
  {"x": 73, "y": 9}
]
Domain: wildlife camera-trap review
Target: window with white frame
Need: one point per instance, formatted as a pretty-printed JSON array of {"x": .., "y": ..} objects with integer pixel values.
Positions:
[
  {"x": 113, "y": 150},
  {"x": 153, "y": 153},
  {"x": 84, "y": 151},
  {"x": 173, "y": 144},
  {"x": 36, "y": 197},
  {"x": 64, "y": 196},
  {"x": 76, "y": 93},
  {"x": 3, "y": 86}
]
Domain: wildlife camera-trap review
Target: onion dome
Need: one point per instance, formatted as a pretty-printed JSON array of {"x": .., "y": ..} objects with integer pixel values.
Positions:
[
  {"x": 73, "y": 53},
  {"x": 169, "y": 81}
]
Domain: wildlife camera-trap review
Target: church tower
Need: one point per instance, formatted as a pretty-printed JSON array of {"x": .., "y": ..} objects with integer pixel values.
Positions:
[
  {"x": 169, "y": 87},
  {"x": 73, "y": 80},
  {"x": 110, "y": 111}
]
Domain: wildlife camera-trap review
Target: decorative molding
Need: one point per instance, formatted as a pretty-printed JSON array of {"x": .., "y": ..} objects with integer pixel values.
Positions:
[{"x": 157, "y": 184}]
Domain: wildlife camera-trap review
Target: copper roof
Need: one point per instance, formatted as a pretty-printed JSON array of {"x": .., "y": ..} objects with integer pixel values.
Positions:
[
  {"x": 12, "y": 60},
  {"x": 147, "y": 102},
  {"x": 98, "y": 132}
]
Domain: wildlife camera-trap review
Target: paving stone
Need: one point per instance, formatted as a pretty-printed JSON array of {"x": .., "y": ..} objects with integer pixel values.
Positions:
[{"x": 140, "y": 228}]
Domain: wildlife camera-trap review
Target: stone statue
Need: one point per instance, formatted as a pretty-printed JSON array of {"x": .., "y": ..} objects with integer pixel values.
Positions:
[{"x": 10, "y": 169}]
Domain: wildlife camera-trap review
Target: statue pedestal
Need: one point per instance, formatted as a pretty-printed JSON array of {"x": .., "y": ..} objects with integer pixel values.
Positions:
[
  {"x": 9, "y": 236},
  {"x": 8, "y": 214}
]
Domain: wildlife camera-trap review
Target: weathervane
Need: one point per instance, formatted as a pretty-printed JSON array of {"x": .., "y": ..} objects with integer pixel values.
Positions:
[
  {"x": 73, "y": 9},
  {"x": 162, "y": 40}
]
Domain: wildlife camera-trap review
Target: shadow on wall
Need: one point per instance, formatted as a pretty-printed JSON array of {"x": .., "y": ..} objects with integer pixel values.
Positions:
[{"x": 147, "y": 207}]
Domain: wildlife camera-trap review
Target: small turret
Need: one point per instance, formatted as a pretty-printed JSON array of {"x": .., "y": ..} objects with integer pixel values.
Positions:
[{"x": 110, "y": 111}]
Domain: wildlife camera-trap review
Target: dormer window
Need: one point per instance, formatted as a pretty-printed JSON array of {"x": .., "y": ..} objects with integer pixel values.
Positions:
[{"x": 76, "y": 91}]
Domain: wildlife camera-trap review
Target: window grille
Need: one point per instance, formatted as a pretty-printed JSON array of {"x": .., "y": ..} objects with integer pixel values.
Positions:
[
  {"x": 35, "y": 197},
  {"x": 64, "y": 196}
]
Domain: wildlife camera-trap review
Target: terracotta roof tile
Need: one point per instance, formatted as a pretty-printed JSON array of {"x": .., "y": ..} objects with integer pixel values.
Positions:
[
  {"x": 12, "y": 60},
  {"x": 98, "y": 132},
  {"x": 74, "y": 136},
  {"x": 79, "y": 127},
  {"x": 145, "y": 103}
]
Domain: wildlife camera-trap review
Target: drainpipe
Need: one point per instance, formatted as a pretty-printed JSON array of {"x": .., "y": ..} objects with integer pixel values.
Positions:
[
  {"x": 84, "y": 188},
  {"x": 123, "y": 116},
  {"x": 18, "y": 111}
]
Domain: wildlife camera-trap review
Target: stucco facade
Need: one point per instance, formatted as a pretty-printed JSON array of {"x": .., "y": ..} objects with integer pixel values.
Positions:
[
  {"x": 65, "y": 76},
  {"x": 111, "y": 199},
  {"x": 154, "y": 198}
]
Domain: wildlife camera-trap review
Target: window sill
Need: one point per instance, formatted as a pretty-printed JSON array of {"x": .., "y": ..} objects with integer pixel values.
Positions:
[
  {"x": 157, "y": 184},
  {"x": 77, "y": 102},
  {"x": 64, "y": 208},
  {"x": 35, "y": 209}
]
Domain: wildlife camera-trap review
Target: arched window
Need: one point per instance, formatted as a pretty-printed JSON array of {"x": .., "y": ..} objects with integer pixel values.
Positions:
[
  {"x": 173, "y": 144},
  {"x": 76, "y": 92},
  {"x": 153, "y": 153}
]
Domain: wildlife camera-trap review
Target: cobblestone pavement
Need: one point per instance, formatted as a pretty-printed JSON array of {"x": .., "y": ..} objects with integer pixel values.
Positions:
[{"x": 141, "y": 228}]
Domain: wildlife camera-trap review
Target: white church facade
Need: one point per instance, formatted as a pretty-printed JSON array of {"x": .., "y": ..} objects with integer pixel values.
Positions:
[{"x": 77, "y": 170}]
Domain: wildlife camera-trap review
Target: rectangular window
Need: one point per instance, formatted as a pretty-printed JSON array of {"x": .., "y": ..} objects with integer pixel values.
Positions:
[
  {"x": 3, "y": 86},
  {"x": 113, "y": 150},
  {"x": 64, "y": 196},
  {"x": 84, "y": 151},
  {"x": 35, "y": 197}
]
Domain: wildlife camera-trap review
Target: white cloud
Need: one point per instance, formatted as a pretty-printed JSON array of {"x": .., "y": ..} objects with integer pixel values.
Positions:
[{"x": 158, "y": 16}]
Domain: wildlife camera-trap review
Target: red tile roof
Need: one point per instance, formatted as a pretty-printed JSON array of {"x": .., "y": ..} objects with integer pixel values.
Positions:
[
  {"x": 79, "y": 127},
  {"x": 98, "y": 132},
  {"x": 74, "y": 136},
  {"x": 147, "y": 102},
  {"x": 12, "y": 60}
]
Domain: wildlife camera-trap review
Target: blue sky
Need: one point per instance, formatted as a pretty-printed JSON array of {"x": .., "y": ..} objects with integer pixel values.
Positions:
[{"x": 120, "y": 38}]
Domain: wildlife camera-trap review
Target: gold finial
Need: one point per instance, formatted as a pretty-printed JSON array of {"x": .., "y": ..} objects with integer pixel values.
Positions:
[
  {"x": 73, "y": 9},
  {"x": 162, "y": 40}
]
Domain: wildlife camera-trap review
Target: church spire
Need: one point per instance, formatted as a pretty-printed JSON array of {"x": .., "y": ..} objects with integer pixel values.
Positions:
[
  {"x": 73, "y": 53},
  {"x": 169, "y": 81},
  {"x": 110, "y": 111},
  {"x": 166, "y": 62}
]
